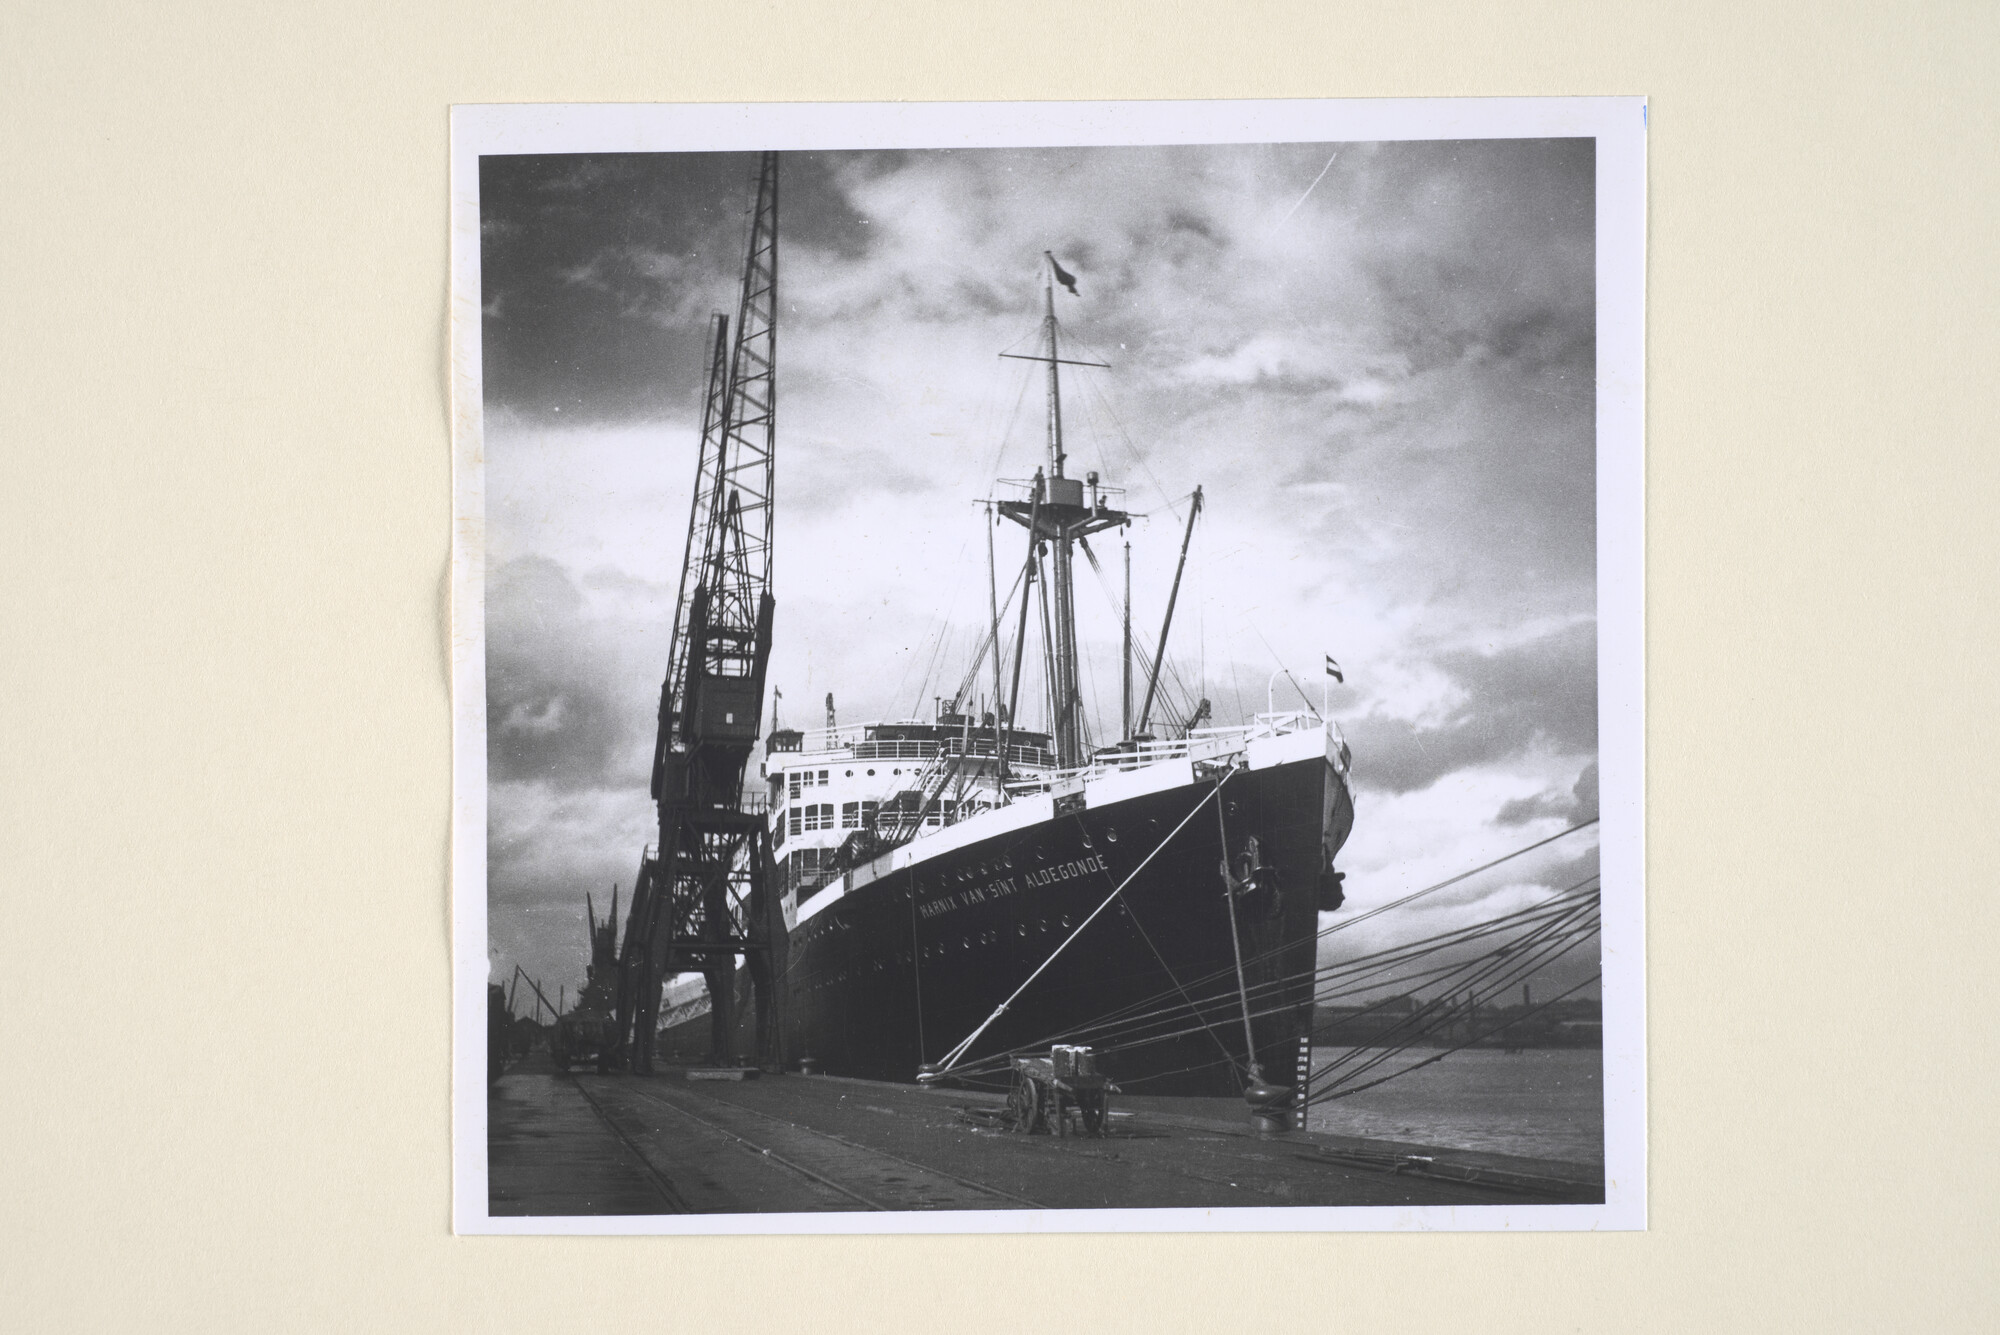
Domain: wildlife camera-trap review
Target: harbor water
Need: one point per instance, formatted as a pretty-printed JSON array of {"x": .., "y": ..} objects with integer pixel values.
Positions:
[{"x": 1543, "y": 1103}]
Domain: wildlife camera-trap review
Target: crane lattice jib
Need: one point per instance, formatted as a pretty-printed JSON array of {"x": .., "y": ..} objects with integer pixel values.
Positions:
[
  {"x": 708, "y": 476},
  {"x": 698, "y": 902}
]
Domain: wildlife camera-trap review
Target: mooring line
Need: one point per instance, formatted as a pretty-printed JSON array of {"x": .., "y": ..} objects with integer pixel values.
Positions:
[{"x": 952, "y": 1058}]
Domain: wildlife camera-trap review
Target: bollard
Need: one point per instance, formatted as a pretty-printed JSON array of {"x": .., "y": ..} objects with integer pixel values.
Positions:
[{"x": 1269, "y": 1104}]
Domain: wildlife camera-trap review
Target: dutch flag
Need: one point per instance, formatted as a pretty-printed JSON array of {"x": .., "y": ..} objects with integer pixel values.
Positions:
[{"x": 1333, "y": 670}]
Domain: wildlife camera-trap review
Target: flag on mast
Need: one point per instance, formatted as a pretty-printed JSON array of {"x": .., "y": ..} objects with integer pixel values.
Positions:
[
  {"x": 1063, "y": 276},
  {"x": 1333, "y": 670}
]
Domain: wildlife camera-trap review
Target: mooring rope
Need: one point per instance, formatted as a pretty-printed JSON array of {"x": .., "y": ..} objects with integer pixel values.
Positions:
[
  {"x": 1540, "y": 932},
  {"x": 952, "y": 1057}
]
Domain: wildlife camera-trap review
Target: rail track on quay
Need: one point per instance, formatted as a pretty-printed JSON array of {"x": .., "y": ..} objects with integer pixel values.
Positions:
[
  {"x": 861, "y": 1176},
  {"x": 564, "y": 1144}
]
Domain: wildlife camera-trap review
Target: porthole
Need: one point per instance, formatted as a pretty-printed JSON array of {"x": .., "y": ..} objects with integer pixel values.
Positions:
[
  {"x": 1065, "y": 922},
  {"x": 965, "y": 943},
  {"x": 899, "y": 772},
  {"x": 1110, "y": 834},
  {"x": 871, "y": 773},
  {"x": 1232, "y": 808},
  {"x": 850, "y": 774},
  {"x": 1021, "y": 930}
]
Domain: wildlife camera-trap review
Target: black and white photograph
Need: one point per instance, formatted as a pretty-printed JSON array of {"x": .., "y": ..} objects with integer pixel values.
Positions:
[{"x": 1068, "y": 669}]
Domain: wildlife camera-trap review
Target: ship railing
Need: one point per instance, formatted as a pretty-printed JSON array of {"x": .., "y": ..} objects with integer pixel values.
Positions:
[
  {"x": 1205, "y": 744},
  {"x": 854, "y": 742},
  {"x": 833, "y": 739},
  {"x": 894, "y": 750}
]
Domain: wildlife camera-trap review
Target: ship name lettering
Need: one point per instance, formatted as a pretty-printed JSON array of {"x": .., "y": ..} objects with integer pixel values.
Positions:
[
  {"x": 1063, "y": 871},
  {"x": 1011, "y": 885}
]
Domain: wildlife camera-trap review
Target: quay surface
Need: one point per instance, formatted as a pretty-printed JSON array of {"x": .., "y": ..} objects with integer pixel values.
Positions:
[{"x": 586, "y": 1144}]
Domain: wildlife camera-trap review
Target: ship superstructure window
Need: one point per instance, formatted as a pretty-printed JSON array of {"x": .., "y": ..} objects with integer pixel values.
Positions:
[
  {"x": 818, "y": 817},
  {"x": 850, "y": 815},
  {"x": 806, "y": 778},
  {"x": 808, "y": 869}
]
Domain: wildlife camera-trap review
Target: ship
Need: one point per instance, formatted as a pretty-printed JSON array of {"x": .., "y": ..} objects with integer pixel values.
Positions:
[
  {"x": 1118, "y": 880},
  {"x": 924, "y": 895}
]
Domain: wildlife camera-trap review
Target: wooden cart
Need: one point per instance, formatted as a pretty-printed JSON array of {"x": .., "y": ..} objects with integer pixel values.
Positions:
[{"x": 1049, "y": 1090}]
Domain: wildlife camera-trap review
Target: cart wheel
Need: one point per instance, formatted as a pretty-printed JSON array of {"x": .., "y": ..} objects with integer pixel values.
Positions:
[
  {"x": 1094, "y": 1107},
  {"x": 1024, "y": 1104}
]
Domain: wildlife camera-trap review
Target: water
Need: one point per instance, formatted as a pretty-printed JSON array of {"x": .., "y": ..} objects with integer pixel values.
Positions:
[{"x": 1544, "y": 1103}]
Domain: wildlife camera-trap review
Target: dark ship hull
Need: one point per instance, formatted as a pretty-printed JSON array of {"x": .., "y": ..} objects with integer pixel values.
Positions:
[{"x": 903, "y": 959}]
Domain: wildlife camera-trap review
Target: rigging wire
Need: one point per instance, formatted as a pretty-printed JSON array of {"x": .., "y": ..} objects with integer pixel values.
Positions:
[
  {"x": 959, "y": 1051},
  {"x": 1346, "y": 923},
  {"x": 1123, "y": 1031},
  {"x": 986, "y": 643},
  {"x": 1091, "y": 385},
  {"x": 1498, "y": 970},
  {"x": 1130, "y": 1018}
]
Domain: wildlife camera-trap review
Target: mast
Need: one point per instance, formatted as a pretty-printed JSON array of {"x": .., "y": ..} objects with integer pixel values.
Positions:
[
  {"x": 1062, "y": 682},
  {"x": 1173, "y": 595},
  {"x": 993, "y": 607},
  {"x": 1021, "y": 634},
  {"x": 1049, "y": 668},
  {"x": 1063, "y": 520},
  {"x": 1125, "y": 662}
]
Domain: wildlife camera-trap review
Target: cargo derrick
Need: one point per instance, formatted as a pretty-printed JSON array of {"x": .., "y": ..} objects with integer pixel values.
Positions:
[{"x": 703, "y": 894}]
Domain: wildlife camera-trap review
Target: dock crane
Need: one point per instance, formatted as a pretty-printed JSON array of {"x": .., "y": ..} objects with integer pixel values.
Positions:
[{"x": 705, "y": 892}]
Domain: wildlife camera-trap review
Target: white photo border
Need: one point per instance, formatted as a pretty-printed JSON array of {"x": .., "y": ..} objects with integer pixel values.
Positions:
[{"x": 1618, "y": 124}]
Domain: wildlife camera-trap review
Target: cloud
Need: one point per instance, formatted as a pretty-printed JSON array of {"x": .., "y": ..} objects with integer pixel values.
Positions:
[
  {"x": 563, "y": 704},
  {"x": 1538, "y": 693},
  {"x": 1387, "y": 393},
  {"x": 1577, "y": 804}
]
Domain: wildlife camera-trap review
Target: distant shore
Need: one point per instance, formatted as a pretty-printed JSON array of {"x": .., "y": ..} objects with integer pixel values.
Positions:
[{"x": 1406, "y": 1022}]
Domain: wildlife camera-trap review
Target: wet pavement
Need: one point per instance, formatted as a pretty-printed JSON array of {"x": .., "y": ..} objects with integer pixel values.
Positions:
[{"x": 587, "y": 1144}]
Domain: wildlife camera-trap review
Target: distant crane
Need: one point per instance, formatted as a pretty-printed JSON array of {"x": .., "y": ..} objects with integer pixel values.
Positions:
[{"x": 704, "y": 893}]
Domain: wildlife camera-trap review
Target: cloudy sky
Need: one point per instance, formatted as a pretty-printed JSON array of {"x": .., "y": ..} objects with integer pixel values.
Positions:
[{"x": 1377, "y": 360}]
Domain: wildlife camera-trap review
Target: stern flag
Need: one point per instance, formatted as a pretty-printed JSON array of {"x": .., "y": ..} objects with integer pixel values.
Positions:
[
  {"x": 1064, "y": 277},
  {"x": 1333, "y": 670}
]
